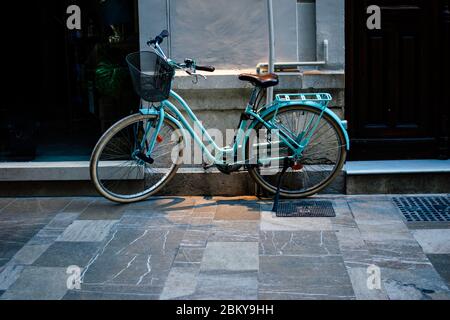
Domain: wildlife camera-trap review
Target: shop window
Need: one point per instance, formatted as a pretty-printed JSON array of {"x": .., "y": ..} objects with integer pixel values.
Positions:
[{"x": 65, "y": 87}]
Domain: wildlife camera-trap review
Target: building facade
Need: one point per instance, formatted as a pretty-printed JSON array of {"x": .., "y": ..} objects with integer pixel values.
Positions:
[{"x": 384, "y": 82}]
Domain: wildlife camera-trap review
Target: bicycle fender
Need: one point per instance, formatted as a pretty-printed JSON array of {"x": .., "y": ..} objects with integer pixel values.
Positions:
[
  {"x": 342, "y": 123},
  {"x": 155, "y": 112}
]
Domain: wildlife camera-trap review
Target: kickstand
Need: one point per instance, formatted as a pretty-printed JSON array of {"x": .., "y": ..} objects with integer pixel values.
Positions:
[{"x": 286, "y": 164}]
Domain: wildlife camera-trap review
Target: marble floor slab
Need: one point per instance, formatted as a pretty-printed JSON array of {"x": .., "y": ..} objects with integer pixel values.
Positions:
[{"x": 218, "y": 248}]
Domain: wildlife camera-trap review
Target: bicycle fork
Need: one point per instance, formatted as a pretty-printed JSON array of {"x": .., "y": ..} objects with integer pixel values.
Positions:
[{"x": 150, "y": 145}]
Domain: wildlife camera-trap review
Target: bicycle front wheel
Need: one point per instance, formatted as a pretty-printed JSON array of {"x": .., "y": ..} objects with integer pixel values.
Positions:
[
  {"x": 321, "y": 161},
  {"x": 121, "y": 167}
]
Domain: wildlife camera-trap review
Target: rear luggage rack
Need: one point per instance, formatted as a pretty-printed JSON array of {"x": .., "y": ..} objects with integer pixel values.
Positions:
[{"x": 321, "y": 98}]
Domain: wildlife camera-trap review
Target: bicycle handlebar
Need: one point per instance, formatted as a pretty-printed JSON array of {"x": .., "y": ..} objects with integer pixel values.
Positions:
[
  {"x": 159, "y": 39},
  {"x": 205, "y": 68},
  {"x": 188, "y": 63}
]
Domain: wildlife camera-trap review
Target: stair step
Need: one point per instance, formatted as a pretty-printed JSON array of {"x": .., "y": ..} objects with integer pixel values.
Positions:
[{"x": 398, "y": 177}]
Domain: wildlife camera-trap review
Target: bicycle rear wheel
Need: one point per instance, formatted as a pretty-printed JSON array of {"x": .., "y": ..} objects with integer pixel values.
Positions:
[
  {"x": 321, "y": 161},
  {"x": 119, "y": 167}
]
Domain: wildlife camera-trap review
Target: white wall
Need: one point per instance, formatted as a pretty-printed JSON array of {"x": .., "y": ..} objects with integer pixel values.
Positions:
[
  {"x": 233, "y": 33},
  {"x": 330, "y": 20}
]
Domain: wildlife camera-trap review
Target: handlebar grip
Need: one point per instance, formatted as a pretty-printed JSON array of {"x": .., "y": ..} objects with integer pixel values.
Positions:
[
  {"x": 205, "y": 68},
  {"x": 159, "y": 39}
]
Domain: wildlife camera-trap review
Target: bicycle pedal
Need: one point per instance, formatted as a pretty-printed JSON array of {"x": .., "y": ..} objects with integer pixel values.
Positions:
[{"x": 206, "y": 166}]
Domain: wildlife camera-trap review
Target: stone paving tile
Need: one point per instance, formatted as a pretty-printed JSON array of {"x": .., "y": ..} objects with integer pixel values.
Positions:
[
  {"x": 269, "y": 222},
  {"x": 193, "y": 248},
  {"x": 130, "y": 270},
  {"x": 164, "y": 204},
  {"x": 79, "y": 204},
  {"x": 14, "y": 235},
  {"x": 231, "y": 256},
  {"x": 28, "y": 209},
  {"x": 65, "y": 254},
  {"x": 358, "y": 277},
  {"x": 372, "y": 230},
  {"x": 187, "y": 257},
  {"x": 298, "y": 277},
  {"x": 128, "y": 241},
  {"x": 344, "y": 216},
  {"x": 9, "y": 249},
  {"x": 203, "y": 214},
  {"x": 375, "y": 211},
  {"x": 428, "y": 225},
  {"x": 435, "y": 241},
  {"x": 138, "y": 218},
  {"x": 421, "y": 283},
  {"x": 37, "y": 283},
  {"x": 289, "y": 295},
  {"x": 87, "y": 230},
  {"x": 441, "y": 263},
  {"x": 204, "y": 207},
  {"x": 63, "y": 220},
  {"x": 102, "y": 295},
  {"x": 121, "y": 291},
  {"x": 350, "y": 239},
  {"x": 19, "y": 231},
  {"x": 234, "y": 231},
  {"x": 357, "y": 259},
  {"x": 102, "y": 209},
  {"x": 312, "y": 243},
  {"x": 201, "y": 222},
  {"x": 237, "y": 210},
  {"x": 397, "y": 254},
  {"x": 9, "y": 274},
  {"x": 4, "y": 202},
  {"x": 29, "y": 253},
  {"x": 195, "y": 237},
  {"x": 46, "y": 236},
  {"x": 226, "y": 286},
  {"x": 369, "y": 197},
  {"x": 181, "y": 283}
]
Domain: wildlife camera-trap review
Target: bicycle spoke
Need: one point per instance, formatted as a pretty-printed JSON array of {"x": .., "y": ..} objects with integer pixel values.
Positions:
[
  {"x": 320, "y": 156},
  {"x": 122, "y": 175}
]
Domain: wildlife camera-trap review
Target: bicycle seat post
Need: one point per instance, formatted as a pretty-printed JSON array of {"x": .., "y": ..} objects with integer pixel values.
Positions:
[{"x": 253, "y": 98}]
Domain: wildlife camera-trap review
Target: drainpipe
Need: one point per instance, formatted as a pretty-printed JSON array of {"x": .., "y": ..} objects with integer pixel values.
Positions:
[
  {"x": 169, "y": 40},
  {"x": 271, "y": 67},
  {"x": 261, "y": 67}
]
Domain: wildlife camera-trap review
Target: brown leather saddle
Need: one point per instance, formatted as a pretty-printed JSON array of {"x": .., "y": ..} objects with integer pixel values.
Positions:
[{"x": 262, "y": 81}]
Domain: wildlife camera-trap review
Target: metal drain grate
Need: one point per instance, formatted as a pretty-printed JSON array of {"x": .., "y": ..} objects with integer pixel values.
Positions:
[
  {"x": 306, "y": 208},
  {"x": 420, "y": 209}
]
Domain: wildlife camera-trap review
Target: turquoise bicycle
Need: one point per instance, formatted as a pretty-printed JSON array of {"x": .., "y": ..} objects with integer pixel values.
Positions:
[{"x": 302, "y": 140}]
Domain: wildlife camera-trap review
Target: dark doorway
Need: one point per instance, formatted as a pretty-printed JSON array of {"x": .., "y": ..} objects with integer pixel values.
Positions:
[
  {"x": 64, "y": 87},
  {"x": 397, "y": 98}
]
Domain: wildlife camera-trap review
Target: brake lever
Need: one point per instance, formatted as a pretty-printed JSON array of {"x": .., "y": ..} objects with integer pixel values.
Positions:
[{"x": 196, "y": 75}]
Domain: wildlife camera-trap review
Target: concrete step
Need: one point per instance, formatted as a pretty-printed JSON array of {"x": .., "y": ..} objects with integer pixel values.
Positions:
[
  {"x": 72, "y": 179},
  {"x": 359, "y": 177},
  {"x": 397, "y": 176}
]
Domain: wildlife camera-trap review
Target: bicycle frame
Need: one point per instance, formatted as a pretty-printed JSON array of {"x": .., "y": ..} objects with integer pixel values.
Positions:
[{"x": 296, "y": 144}]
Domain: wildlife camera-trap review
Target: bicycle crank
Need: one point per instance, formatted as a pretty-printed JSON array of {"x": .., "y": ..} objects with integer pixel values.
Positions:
[{"x": 145, "y": 158}]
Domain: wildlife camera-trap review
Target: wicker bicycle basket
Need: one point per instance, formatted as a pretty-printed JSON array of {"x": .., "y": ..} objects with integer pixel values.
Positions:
[{"x": 151, "y": 75}]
